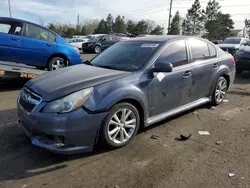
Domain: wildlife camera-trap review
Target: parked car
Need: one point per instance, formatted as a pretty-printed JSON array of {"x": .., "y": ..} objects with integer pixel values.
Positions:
[
  {"x": 31, "y": 44},
  {"x": 231, "y": 44},
  {"x": 77, "y": 42},
  {"x": 242, "y": 59},
  {"x": 132, "y": 84},
  {"x": 216, "y": 41},
  {"x": 99, "y": 43}
]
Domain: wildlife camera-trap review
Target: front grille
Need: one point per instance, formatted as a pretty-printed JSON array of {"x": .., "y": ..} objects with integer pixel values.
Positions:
[
  {"x": 26, "y": 106},
  {"x": 29, "y": 100}
]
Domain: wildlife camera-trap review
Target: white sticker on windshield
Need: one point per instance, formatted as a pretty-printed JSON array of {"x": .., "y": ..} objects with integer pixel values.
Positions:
[{"x": 149, "y": 45}]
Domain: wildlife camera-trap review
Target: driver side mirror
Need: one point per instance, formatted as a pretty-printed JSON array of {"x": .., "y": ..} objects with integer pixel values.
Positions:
[
  {"x": 162, "y": 67},
  {"x": 103, "y": 39}
]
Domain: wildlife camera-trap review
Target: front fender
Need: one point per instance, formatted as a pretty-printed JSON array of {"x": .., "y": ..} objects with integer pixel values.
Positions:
[{"x": 99, "y": 103}]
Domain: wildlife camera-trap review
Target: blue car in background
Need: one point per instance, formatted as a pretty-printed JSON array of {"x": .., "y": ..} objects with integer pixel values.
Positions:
[{"x": 31, "y": 44}]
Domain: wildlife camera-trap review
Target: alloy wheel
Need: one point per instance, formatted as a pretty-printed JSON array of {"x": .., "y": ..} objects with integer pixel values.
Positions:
[
  {"x": 121, "y": 126},
  {"x": 221, "y": 90},
  {"x": 97, "y": 49},
  {"x": 57, "y": 64}
]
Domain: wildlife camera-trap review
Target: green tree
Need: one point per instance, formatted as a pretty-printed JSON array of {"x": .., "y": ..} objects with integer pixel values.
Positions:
[
  {"x": 52, "y": 27},
  {"x": 175, "y": 25},
  {"x": 101, "y": 28},
  {"x": 110, "y": 23},
  {"x": 119, "y": 25},
  {"x": 224, "y": 25},
  {"x": 83, "y": 30},
  {"x": 211, "y": 17},
  {"x": 158, "y": 30},
  {"x": 141, "y": 27},
  {"x": 131, "y": 26},
  {"x": 194, "y": 21},
  {"x": 247, "y": 27}
]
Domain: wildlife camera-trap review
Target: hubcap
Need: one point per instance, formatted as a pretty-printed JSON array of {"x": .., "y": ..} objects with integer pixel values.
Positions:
[
  {"x": 121, "y": 126},
  {"x": 57, "y": 64},
  {"x": 220, "y": 91}
]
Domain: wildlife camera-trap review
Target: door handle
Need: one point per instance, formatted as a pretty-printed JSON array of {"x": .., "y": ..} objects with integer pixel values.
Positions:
[
  {"x": 187, "y": 74},
  {"x": 14, "y": 38},
  {"x": 48, "y": 44},
  {"x": 215, "y": 66}
]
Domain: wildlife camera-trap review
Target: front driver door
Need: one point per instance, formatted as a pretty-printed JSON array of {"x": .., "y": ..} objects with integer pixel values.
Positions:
[{"x": 167, "y": 91}]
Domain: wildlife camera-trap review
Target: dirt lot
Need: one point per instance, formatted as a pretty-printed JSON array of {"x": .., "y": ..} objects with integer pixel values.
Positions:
[{"x": 158, "y": 163}]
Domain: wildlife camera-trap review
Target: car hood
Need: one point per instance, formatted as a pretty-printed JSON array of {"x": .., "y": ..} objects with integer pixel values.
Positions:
[
  {"x": 59, "y": 83},
  {"x": 228, "y": 45}
]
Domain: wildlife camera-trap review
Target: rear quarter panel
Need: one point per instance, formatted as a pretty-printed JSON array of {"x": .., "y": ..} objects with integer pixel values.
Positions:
[{"x": 226, "y": 67}]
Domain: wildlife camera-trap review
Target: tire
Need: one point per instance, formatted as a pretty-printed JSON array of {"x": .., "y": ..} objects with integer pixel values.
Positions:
[
  {"x": 239, "y": 71},
  {"x": 218, "y": 96},
  {"x": 97, "y": 49},
  {"x": 56, "y": 63},
  {"x": 106, "y": 133}
]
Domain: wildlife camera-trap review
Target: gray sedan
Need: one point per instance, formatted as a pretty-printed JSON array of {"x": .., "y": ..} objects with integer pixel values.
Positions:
[{"x": 132, "y": 84}]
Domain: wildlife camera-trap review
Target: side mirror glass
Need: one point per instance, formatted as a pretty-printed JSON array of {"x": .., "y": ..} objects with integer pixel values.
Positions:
[{"x": 163, "y": 67}]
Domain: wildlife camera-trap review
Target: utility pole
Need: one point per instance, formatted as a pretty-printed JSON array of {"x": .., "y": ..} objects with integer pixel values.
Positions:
[
  {"x": 170, "y": 14},
  {"x": 9, "y": 8}
]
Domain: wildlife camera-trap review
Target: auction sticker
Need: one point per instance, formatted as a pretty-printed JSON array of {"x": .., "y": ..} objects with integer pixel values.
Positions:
[
  {"x": 149, "y": 45},
  {"x": 2, "y": 72}
]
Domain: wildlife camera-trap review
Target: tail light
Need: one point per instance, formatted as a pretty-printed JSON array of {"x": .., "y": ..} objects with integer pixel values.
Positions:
[
  {"x": 77, "y": 49},
  {"x": 233, "y": 60}
]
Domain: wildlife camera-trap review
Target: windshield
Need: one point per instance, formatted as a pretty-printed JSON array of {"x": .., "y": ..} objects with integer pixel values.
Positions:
[
  {"x": 97, "y": 38},
  {"x": 231, "y": 41},
  {"x": 128, "y": 56},
  {"x": 89, "y": 37}
]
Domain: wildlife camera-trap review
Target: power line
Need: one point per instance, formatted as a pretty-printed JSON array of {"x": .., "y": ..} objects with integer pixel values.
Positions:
[{"x": 9, "y": 8}]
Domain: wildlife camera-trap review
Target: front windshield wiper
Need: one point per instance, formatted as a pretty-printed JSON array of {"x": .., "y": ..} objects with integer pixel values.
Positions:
[
  {"x": 87, "y": 62},
  {"x": 106, "y": 67}
]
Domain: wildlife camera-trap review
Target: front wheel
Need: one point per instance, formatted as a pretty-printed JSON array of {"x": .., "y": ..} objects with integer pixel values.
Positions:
[
  {"x": 56, "y": 63},
  {"x": 120, "y": 126},
  {"x": 97, "y": 49},
  {"x": 220, "y": 91}
]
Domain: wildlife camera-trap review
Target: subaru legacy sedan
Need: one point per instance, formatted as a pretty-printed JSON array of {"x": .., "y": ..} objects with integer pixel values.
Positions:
[
  {"x": 132, "y": 84},
  {"x": 31, "y": 44}
]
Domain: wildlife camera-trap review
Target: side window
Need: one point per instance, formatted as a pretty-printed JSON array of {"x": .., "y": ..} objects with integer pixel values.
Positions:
[
  {"x": 52, "y": 37},
  {"x": 4, "y": 27},
  {"x": 199, "y": 49},
  {"x": 18, "y": 30},
  {"x": 175, "y": 53},
  {"x": 114, "y": 37},
  {"x": 212, "y": 51},
  {"x": 107, "y": 37},
  {"x": 36, "y": 32}
]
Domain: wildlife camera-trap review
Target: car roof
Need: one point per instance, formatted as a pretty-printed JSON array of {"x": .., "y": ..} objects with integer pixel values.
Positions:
[
  {"x": 162, "y": 38},
  {"x": 24, "y": 21},
  {"x": 245, "y": 49}
]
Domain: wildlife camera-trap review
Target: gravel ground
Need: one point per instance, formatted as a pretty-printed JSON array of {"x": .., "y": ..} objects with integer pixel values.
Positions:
[{"x": 201, "y": 161}]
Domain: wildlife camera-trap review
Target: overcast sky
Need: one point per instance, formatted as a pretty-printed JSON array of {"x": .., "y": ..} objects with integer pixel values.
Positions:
[{"x": 65, "y": 11}]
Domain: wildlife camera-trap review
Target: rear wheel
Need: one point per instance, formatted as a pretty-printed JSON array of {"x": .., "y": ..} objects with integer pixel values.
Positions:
[
  {"x": 120, "y": 126},
  {"x": 220, "y": 91},
  {"x": 56, "y": 63}
]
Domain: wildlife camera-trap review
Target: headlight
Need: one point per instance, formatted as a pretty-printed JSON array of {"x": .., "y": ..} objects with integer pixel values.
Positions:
[{"x": 68, "y": 103}]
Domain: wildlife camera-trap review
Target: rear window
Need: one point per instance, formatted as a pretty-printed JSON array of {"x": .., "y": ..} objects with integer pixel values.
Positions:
[
  {"x": 4, "y": 28},
  {"x": 212, "y": 51},
  {"x": 199, "y": 49}
]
